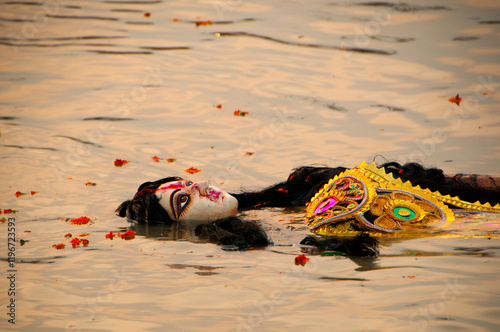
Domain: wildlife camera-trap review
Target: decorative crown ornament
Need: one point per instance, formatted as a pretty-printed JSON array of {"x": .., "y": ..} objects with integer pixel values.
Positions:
[{"x": 366, "y": 198}]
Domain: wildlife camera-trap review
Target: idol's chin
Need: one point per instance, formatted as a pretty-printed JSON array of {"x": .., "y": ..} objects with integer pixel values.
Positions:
[{"x": 232, "y": 205}]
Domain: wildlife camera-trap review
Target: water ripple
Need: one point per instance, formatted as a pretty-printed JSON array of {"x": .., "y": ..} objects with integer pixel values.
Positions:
[
  {"x": 401, "y": 7},
  {"x": 334, "y": 47},
  {"x": 119, "y": 52},
  {"x": 79, "y": 140},
  {"x": 77, "y": 17}
]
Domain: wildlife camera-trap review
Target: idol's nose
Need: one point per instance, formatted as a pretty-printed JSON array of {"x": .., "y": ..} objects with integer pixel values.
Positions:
[{"x": 203, "y": 187}]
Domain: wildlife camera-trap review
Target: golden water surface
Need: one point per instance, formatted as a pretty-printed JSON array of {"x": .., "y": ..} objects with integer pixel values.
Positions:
[{"x": 83, "y": 83}]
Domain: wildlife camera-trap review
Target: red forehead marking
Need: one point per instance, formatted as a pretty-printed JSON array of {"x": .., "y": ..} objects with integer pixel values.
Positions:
[{"x": 176, "y": 185}]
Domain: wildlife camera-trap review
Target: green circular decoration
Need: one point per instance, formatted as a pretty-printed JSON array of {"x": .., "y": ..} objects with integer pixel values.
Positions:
[{"x": 404, "y": 213}]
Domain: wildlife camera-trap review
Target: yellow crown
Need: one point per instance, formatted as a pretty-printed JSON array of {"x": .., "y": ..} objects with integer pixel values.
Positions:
[{"x": 367, "y": 198}]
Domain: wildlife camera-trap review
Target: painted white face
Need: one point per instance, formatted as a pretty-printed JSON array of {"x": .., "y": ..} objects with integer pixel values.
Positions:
[{"x": 188, "y": 201}]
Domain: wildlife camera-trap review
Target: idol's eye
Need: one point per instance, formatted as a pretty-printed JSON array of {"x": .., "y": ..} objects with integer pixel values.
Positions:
[
  {"x": 188, "y": 183},
  {"x": 182, "y": 203},
  {"x": 179, "y": 202}
]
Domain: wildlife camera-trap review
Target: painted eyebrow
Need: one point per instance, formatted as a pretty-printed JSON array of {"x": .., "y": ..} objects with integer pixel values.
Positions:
[
  {"x": 174, "y": 212},
  {"x": 176, "y": 185}
]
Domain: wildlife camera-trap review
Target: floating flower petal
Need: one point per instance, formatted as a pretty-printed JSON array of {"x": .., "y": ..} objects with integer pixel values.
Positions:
[
  {"x": 80, "y": 221},
  {"x": 121, "y": 162},
  {"x": 455, "y": 100},
  {"x": 75, "y": 242},
  {"x": 204, "y": 23},
  {"x": 240, "y": 113},
  {"x": 301, "y": 260},
  {"x": 192, "y": 170},
  {"x": 59, "y": 246},
  {"x": 110, "y": 235},
  {"x": 128, "y": 235}
]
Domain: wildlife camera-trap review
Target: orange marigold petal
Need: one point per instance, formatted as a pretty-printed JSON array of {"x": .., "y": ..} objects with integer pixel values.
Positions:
[
  {"x": 80, "y": 221},
  {"x": 301, "y": 260},
  {"x": 192, "y": 170},
  {"x": 455, "y": 100},
  {"x": 128, "y": 235},
  {"x": 75, "y": 241},
  {"x": 110, "y": 235},
  {"x": 121, "y": 162}
]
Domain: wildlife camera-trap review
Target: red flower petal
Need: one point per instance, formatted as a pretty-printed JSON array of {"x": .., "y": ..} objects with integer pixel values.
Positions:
[
  {"x": 240, "y": 113},
  {"x": 156, "y": 159},
  {"x": 69, "y": 236},
  {"x": 128, "y": 235},
  {"x": 80, "y": 221},
  {"x": 219, "y": 106},
  {"x": 147, "y": 14},
  {"x": 192, "y": 170},
  {"x": 110, "y": 235},
  {"x": 170, "y": 160},
  {"x": 121, "y": 162},
  {"x": 33, "y": 192},
  {"x": 75, "y": 241},
  {"x": 204, "y": 23},
  {"x": 455, "y": 100},
  {"x": 59, "y": 246},
  {"x": 18, "y": 193},
  {"x": 85, "y": 242},
  {"x": 301, "y": 260}
]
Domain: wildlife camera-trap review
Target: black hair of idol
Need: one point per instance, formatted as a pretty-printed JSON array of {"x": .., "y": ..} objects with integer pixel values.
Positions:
[
  {"x": 305, "y": 181},
  {"x": 145, "y": 206}
]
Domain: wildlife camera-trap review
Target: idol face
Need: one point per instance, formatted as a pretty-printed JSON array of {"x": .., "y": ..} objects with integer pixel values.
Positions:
[{"x": 188, "y": 201}]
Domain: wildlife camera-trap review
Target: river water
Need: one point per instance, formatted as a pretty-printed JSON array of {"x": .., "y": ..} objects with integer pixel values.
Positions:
[{"x": 83, "y": 83}]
